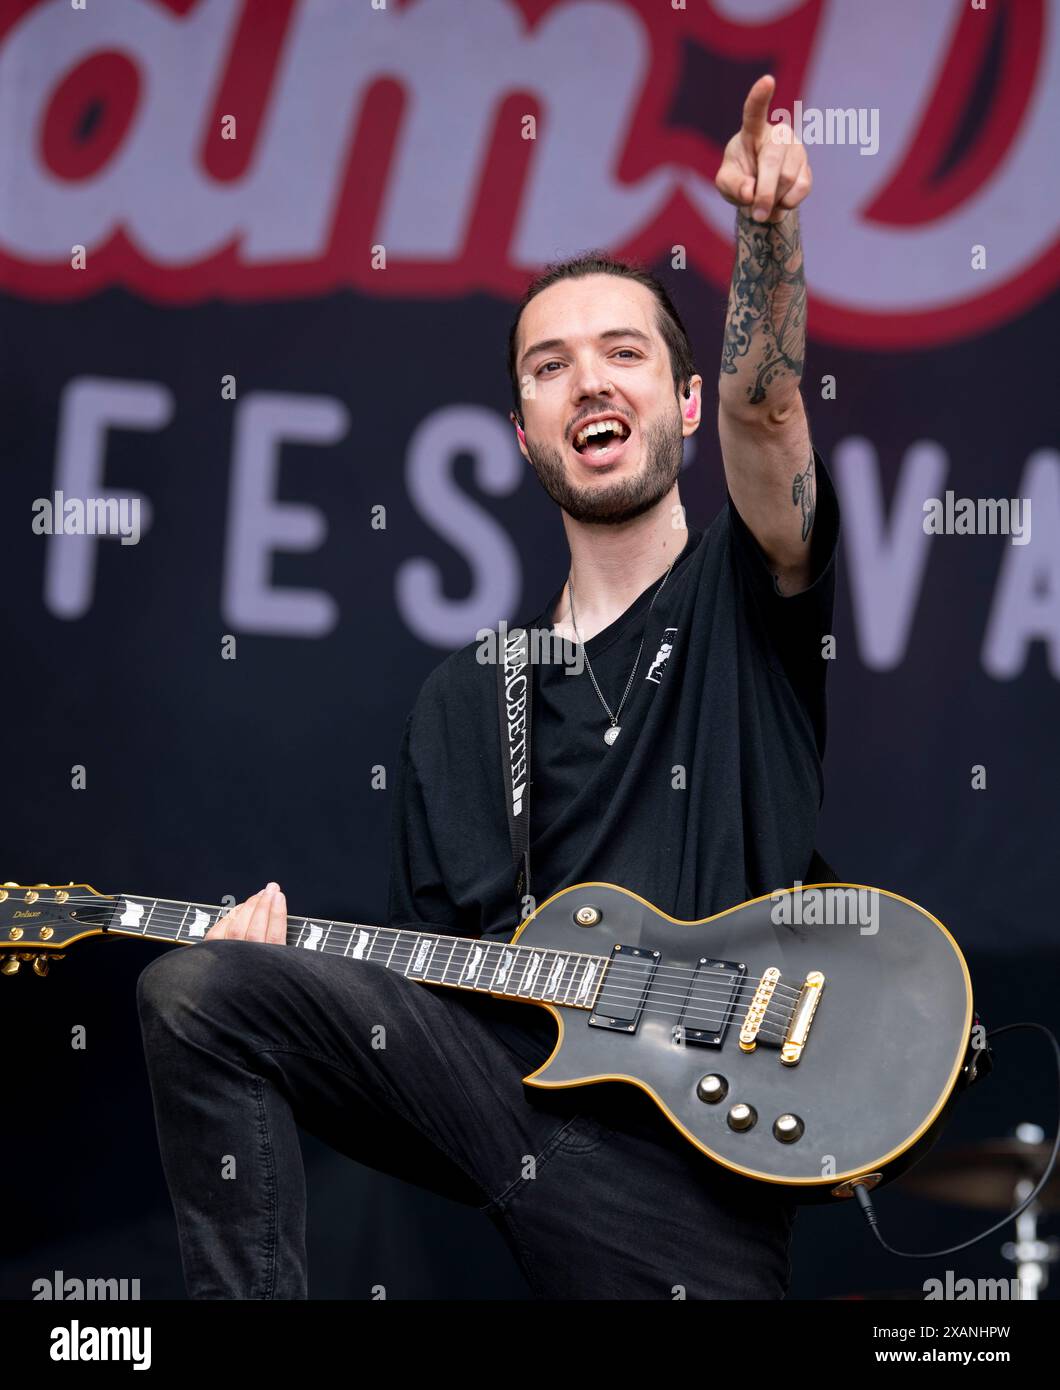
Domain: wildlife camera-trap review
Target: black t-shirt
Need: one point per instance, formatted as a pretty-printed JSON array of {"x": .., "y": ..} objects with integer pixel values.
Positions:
[{"x": 708, "y": 797}]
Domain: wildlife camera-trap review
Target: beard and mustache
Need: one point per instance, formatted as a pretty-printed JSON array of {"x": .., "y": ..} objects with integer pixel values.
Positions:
[{"x": 621, "y": 499}]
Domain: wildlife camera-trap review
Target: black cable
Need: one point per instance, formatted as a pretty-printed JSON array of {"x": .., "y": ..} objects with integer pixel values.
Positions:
[{"x": 865, "y": 1199}]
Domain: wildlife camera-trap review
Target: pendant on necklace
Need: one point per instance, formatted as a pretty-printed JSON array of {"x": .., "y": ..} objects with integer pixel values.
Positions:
[{"x": 612, "y": 733}]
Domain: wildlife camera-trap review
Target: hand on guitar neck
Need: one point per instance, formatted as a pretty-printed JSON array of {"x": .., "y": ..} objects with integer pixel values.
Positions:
[{"x": 262, "y": 917}]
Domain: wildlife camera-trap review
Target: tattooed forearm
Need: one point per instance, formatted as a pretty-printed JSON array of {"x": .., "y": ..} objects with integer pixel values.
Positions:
[
  {"x": 804, "y": 494},
  {"x": 765, "y": 329}
]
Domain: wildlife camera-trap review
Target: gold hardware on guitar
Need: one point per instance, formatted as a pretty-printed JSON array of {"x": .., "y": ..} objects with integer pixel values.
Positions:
[
  {"x": 802, "y": 1018},
  {"x": 13, "y": 963},
  {"x": 867, "y": 1180},
  {"x": 756, "y": 1010},
  {"x": 44, "y": 895}
]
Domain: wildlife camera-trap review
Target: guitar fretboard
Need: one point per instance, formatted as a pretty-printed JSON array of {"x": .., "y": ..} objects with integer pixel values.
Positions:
[{"x": 571, "y": 978}]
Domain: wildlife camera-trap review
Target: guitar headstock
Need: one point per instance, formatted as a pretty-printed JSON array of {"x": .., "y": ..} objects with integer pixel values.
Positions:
[{"x": 38, "y": 922}]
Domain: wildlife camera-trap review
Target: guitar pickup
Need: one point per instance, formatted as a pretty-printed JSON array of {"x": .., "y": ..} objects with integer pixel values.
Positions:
[
  {"x": 626, "y": 982},
  {"x": 710, "y": 1003}
]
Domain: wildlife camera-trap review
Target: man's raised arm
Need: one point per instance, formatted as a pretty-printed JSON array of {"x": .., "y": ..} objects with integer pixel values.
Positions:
[{"x": 762, "y": 425}]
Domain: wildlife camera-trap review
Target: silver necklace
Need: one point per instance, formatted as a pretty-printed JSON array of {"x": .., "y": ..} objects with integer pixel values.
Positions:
[{"x": 613, "y": 732}]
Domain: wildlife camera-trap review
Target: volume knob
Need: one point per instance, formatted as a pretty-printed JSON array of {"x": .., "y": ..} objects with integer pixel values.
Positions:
[
  {"x": 742, "y": 1116},
  {"x": 788, "y": 1128},
  {"x": 712, "y": 1088}
]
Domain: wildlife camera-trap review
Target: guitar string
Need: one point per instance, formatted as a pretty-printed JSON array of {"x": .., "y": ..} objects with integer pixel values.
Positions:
[
  {"x": 681, "y": 974},
  {"x": 618, "y": 971},
  {"x": 708, "y": 1003},
  {"x": 767, "y": 1029},
  {"x": 617, "y": 975}
]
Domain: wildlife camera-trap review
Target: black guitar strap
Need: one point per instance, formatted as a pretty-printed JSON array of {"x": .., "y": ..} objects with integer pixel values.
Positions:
[{"x": 515, "y": 687}]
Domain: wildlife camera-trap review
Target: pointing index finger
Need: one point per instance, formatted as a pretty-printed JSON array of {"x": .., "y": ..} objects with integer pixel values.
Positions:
[{"x": 756, "y": 107}]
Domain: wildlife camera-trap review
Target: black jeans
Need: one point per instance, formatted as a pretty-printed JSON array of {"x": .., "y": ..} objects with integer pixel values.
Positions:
[{"x": 596, "y": 1194}]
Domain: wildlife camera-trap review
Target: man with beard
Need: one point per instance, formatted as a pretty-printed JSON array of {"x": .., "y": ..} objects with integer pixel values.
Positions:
[{"x": 676, "y": 750}]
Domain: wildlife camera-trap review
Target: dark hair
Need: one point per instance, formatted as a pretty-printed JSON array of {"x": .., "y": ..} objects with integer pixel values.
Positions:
[{"x": 667, "y": 320}]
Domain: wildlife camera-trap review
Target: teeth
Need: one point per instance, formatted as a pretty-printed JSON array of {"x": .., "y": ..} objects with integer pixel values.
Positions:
[{"x": 598, "y": 427}]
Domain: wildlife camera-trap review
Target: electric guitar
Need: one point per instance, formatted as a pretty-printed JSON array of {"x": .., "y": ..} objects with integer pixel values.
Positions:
[{"x": 813, "y": 1038}]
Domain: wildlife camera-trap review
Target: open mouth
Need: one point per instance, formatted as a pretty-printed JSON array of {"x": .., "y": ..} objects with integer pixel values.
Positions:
[{"x": 601, "y": 442}]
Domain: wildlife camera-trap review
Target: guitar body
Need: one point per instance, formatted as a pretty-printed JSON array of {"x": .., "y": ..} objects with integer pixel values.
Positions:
[{"x": 888, "y": 1048}]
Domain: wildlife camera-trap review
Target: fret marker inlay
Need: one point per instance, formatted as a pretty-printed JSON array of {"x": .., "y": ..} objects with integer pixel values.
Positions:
[
  {"x": 201, "y": 922},
  {"x": 358, "y": 951},
  {"x": 588, "y": 976},
  {"x": 473, "y": 964},
  {"x": 555, "y": 975},
  {"x": 504, "y": 969},
  {"x": 132, "y": 914}
]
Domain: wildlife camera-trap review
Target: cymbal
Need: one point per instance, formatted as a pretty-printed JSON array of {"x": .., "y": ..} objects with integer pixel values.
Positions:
[{"x": 983, "y": 1175}]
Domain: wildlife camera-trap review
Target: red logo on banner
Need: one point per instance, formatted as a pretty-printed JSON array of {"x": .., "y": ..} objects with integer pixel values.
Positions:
[{"x": 217, "y": 149}]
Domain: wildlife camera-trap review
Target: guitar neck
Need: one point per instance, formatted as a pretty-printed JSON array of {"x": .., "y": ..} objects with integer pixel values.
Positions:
[{"x": 530, "y": 973}]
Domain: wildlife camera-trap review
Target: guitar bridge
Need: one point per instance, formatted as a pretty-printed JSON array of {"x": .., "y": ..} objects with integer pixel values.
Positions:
[
  {"x": 805, "y": 1009},
  {"x": 756, "y": 1010}
]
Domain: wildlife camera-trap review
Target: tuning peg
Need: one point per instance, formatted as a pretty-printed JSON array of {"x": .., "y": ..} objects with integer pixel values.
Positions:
[
  {"x": 11, "y": 966},
  {"x": 40, "y": 965}
]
